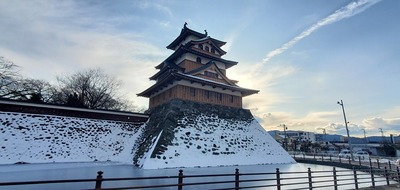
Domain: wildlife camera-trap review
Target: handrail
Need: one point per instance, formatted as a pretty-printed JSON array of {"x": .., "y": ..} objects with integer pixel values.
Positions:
[{"x": 304, "y": 180}]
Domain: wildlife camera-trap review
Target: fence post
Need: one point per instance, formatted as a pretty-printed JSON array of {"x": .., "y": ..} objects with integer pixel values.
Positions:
[
  {"x": 390, "y": 166},
  {"x": 180, "y": 180},
  {"x": 349, "y": 160},
  {"x": 377, "y": 160},
  {"x": 330, "y": 158},
  {"x": 387, "y": 176},
  {"x": 372, "y": 176},
  {"x": 359, "y": 160},
  {"x": 237, "y": 179},
  {"x": 398, "y": 174},
  {"x": 370, "y": 162},
  {"x": 309, "y": 179},
  {"x": 334, "y": 179},
  {"x": 355, "y": 178},
  {"x": 278, "y": 179},
  {"x": 99, "y": 179}
]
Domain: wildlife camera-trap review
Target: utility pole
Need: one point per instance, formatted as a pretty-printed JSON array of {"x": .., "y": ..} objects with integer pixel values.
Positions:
[
  {"x": 285, "y": 138},
  {"x": 347, "y": 129},
  {"x": 365, "y": 136},
  {"x": 383, "y": 141},
  {"x": 383, "y": 137}
]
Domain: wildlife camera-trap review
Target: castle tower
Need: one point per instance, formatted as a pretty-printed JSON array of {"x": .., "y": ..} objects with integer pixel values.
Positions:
[
  {"x": 196, "y": 72},
  {"x": 196, "y": 117}
]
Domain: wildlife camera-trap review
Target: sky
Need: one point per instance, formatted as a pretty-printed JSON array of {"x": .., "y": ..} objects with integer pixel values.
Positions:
[{"x": 304, "y": 56}]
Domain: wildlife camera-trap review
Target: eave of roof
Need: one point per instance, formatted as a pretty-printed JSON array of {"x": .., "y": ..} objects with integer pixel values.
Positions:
[
  {"x": 168, "y": 66},
  {"x": 172, "y": 76}
]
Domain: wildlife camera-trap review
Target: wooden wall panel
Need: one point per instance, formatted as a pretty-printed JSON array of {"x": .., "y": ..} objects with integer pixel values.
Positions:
[{"x": 200, "y": 95}]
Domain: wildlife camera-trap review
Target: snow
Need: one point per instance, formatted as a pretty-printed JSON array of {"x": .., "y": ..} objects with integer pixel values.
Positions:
[
  {"x": 212, "y": 141},
  {"x": 37, "y": 138},
  {"x": 207, "y": 141}
]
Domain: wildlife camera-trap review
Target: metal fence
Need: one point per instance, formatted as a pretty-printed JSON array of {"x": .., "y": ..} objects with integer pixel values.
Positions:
[
  {"x": 335, "y": 179},
  {"x": 370, "y": 162}
]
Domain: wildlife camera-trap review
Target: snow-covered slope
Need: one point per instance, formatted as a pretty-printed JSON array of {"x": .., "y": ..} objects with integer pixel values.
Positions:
[
  {"x": 177, "y": 134},
  {"x": 201, "y": 136},
  {"x": 47, "y": 138}
]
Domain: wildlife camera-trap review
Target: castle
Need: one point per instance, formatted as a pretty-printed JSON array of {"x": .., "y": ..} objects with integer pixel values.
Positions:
[
  {"x": 196, "y": 72},
  {"x": 196, "y": 115}
]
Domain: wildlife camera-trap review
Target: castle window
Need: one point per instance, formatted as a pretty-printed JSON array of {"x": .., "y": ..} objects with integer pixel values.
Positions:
[
  {"x": 211, "y": 74},
  {"x": 212, "y": 50},
  {"x": 198, "y": 60},
  {"x": 207, "y": 48},
  {"x": 207, "y": 94},
  {"x": 201, "y": 46},
  {"x": 192, "y": 92},
  {"x": 231, "y": 99}
]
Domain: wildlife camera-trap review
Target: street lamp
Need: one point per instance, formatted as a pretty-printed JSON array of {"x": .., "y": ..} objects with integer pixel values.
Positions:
[{"x": 347, "y": 129}]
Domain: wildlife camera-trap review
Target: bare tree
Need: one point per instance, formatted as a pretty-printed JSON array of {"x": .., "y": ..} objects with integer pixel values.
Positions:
[
  {"x": 92, "y": 88},
  {"x": 9, "y": 77}
]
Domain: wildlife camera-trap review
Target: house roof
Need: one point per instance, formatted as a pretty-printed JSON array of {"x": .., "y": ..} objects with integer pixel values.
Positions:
[{"x": 187, "y": 32}]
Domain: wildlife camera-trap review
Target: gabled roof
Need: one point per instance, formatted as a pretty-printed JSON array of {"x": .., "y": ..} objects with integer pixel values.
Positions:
[
  {"x": 170, "y": 76},
  {"x": 187, "y": 32},
  {"x": 208, "y": 65},
  {"x": 187, "y": 48},
  {"x": 208, "y": 39}
]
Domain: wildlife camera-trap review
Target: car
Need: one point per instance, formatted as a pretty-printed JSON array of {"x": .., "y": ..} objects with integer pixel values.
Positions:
[
  {"x": 345, "y": 154},
  {"x": 362, "y": 155}
]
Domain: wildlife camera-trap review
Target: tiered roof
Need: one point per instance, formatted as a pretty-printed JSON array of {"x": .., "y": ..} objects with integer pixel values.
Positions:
[{"x": 169, "y": 72}]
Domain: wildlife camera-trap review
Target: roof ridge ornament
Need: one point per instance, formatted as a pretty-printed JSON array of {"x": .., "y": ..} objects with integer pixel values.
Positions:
[
  {"x": 185, "y": 25},
  {"x": 205, "y": 32}
]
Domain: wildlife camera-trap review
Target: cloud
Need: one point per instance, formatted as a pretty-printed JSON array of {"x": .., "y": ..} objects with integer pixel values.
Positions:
[
  {"x": 64, "y": 39},
  {"x": 313, "y": 121},
  {"x": 390, "y": 124},
  {"x": 347, "y": 11}
]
